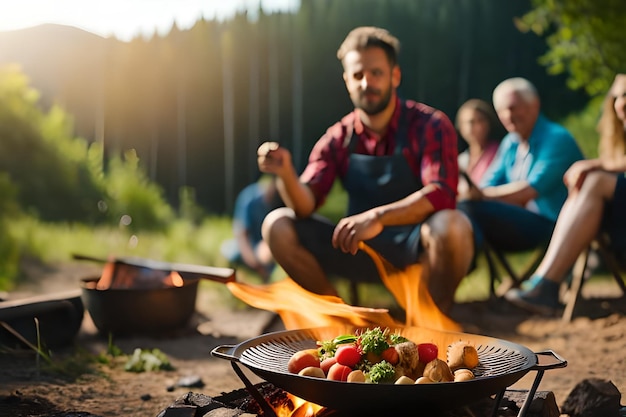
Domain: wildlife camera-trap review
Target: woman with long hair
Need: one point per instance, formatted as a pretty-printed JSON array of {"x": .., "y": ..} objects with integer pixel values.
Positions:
[{"x": 480, "y": 128}]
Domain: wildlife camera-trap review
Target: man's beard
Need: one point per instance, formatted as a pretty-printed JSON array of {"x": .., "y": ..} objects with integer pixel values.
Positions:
[{"x": 372, "y": 108}]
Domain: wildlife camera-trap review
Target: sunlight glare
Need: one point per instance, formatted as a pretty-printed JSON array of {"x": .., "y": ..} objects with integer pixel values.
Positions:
[{"x": 126, "y": 19}]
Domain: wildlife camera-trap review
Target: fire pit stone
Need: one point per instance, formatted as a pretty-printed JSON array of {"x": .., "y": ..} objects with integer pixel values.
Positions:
[{"x": 240, "y": 403}]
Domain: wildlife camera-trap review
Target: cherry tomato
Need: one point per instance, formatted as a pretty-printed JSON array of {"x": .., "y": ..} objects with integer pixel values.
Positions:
[
  {"x": 339, "y": 372},
  {"x": 348, "y": 355},
  {"x": 427, "y": 352},
  {"x": 391, "y": 355}
]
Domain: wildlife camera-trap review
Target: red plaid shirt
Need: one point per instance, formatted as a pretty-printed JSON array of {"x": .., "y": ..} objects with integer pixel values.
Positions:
[{"x": 431, "y": 153}]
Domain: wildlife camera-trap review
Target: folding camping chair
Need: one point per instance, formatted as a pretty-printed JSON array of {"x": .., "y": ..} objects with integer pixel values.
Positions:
[
  {"x": 497, "y": 258},
  {"x": 602, "y": 246}
]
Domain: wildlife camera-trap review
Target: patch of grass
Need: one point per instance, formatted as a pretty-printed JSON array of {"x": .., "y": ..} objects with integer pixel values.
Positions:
[
  {"x": 183, "y": 242},
  {"x": 189, "y": 242},
  {"x": 68, "y": 366}
]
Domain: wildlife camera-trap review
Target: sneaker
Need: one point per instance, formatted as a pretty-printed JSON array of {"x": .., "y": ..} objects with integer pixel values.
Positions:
[{"x": 541, "y": 298}]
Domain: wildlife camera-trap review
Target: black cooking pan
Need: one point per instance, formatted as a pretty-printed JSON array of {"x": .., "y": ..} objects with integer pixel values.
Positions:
[
  {"x": 186, "y": 271},
  {"x": 502, "y": 363}
]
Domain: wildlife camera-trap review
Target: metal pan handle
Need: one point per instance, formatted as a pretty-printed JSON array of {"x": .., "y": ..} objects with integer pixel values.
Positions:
[
  {"x": 540, "y": 368},
  {"x": 560, "y": 362},
  {"x": 225, "y": 352}
]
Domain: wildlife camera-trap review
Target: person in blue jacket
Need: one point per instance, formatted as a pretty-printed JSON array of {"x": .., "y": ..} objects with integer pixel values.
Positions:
[
  {"x": 516, "y": 205},
  {"x": 248, "y": 248}
]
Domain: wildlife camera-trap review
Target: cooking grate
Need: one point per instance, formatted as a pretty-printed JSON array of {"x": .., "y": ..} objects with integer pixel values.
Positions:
[{"x": 494, "y": 360}]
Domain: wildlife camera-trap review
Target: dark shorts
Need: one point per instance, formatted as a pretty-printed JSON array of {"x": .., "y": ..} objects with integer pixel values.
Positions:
[
  {"x": 398, "y": 245},
  {"x": 507, "y": 227},
  {"x": 614, "y": 220}
]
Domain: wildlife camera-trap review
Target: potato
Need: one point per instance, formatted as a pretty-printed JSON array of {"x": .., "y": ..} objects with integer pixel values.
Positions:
[
  {"x": 462, "y": 355},
  {"x": 404, "y": 380},
  {"x": 438, "y": 371},
  {"x": 356, "y": 376},
  {"x": 424, "y": 380},
  {"x": 463, "y": 374},
  {"x": 302, "y": 359},
  {"x": 313, "y": 371}
]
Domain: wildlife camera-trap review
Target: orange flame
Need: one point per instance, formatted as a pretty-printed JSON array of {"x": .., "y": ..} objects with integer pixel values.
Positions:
[
  {"x": 299, "y": 308},
  {"x": 411, "y": 293},
  {"x": 302, "y": 408},
  {"x": 173, "y": 279},
  {"x": 106, "y": 279}
]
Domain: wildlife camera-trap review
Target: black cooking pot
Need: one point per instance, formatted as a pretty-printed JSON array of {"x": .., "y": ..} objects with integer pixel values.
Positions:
[
  {"x": 139, "y": 311},
  {"x": 502, "y": 363},
  {"x": 139, "y": 302}
]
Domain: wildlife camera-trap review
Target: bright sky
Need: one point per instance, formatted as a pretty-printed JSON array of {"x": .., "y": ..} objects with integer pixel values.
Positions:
[{"x": 127, "y": 18}]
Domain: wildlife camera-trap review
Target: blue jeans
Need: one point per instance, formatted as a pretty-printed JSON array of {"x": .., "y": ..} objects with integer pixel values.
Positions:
[{"x": 507, "y": 227}]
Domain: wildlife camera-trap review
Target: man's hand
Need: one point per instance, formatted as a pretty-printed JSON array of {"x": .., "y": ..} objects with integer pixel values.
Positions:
[
  {"x": 576, "y": 174},
  {"x": 354, "y": 229},
  {"x": 273, "y": 159}
]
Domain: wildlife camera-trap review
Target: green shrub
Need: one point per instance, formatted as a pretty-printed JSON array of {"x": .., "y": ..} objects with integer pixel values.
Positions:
[
  {"x": 132, "y": 199},
  {"x": 46, "y": 164},
  {"x": 583, "y": 126}
]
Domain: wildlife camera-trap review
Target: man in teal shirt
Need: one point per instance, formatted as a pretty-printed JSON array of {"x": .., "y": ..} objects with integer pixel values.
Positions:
[{"x": 516, "y": 206}]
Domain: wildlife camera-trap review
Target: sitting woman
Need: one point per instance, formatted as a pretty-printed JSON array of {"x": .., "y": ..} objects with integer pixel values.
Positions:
[
  {"x": 596, "y": 203},
  {"x": 479, "y": 126}
]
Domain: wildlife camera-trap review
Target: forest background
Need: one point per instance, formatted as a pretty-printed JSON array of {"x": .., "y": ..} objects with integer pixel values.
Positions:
[{"x": 157, "y": 135}]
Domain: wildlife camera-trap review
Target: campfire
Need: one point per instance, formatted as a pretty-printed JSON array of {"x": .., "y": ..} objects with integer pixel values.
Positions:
[
  {"x": 299, "y": 308},
  {"x": 284, "y": 404},
  {"x": 122, "y": 276},
  {"x": 310, "y": 318}
]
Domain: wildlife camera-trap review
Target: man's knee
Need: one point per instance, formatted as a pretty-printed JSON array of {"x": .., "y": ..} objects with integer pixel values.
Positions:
[
  {"x": 277, "y": 222},
  {"x": 448, "y": 226}
]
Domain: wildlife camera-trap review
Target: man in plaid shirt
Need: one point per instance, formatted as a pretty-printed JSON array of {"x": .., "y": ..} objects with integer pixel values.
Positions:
[{"x": 397, "y": 160}]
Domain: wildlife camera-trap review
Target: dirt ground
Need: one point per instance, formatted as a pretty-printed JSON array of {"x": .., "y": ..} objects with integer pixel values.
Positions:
[{"x": 594, "y": 345}]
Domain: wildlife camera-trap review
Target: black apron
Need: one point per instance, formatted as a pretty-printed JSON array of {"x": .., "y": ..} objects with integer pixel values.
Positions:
[{"x": 373, "y": 181}]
